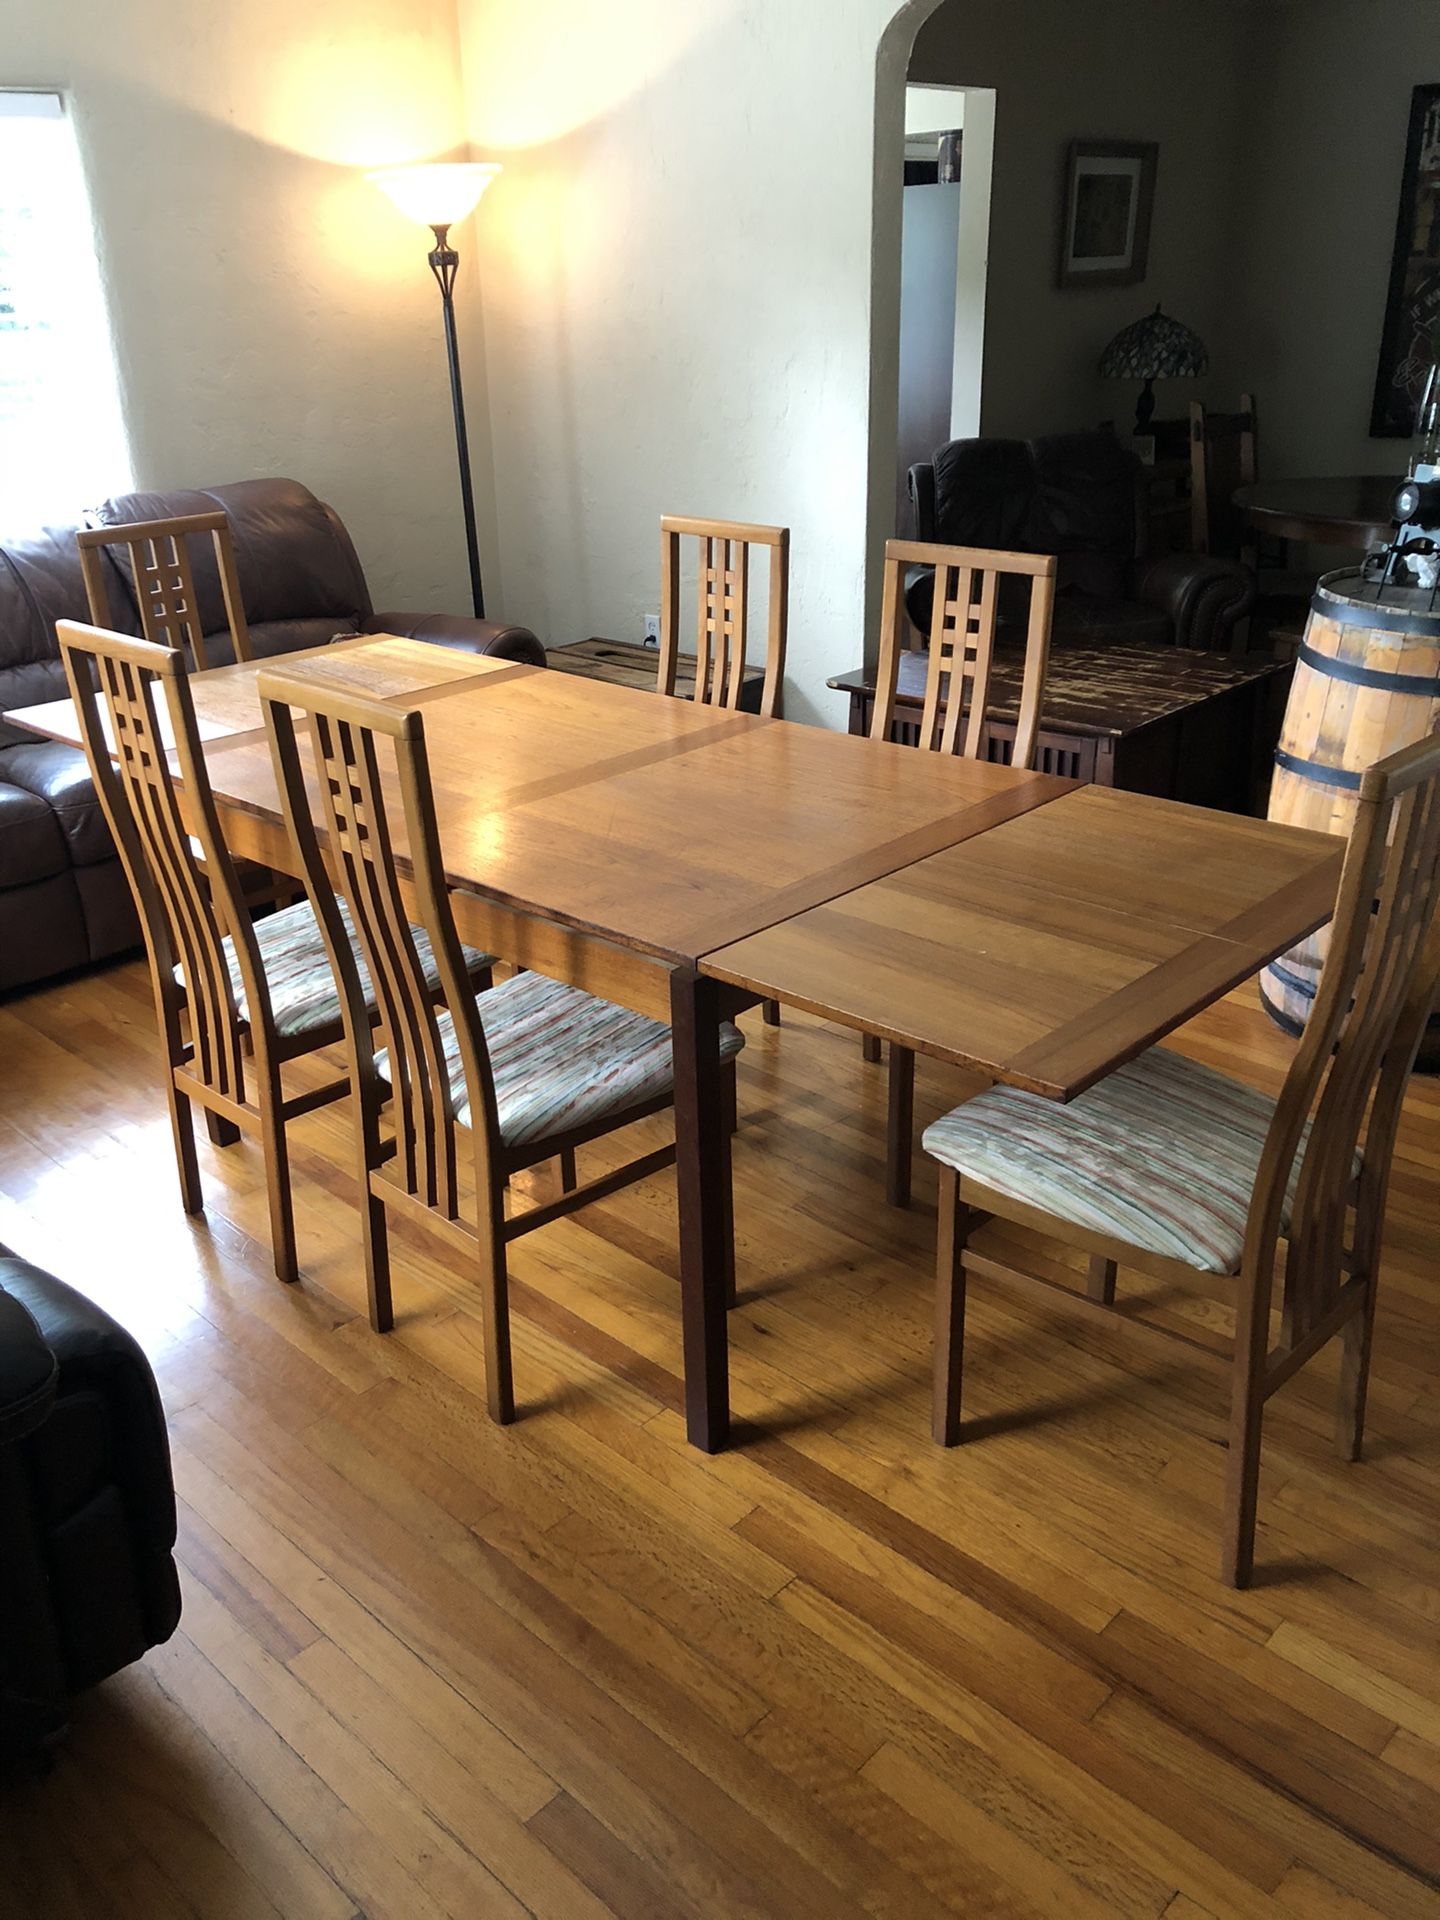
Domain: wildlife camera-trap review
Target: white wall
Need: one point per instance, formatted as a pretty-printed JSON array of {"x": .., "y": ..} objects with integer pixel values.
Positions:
[
  {"x": 677, "y": 270},
  {"x": 1164, "y": 70},
  {"x": 272, "y": 312},
  {"x": 1332, "y": 82}
]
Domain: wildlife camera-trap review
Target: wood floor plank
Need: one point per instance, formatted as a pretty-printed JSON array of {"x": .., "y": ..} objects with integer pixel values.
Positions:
[{"x": 429, "y": 1667}]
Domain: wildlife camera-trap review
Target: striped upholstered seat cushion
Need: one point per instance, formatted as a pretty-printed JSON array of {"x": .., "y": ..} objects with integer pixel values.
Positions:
[
  {"x": 1162, "y": 1155},
  {"x": 303, "y": 995},
  {"x": 561, "y": 1058}
]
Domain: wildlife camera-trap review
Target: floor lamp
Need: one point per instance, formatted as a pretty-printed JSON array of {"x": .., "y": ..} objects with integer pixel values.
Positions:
[{"x": 439, "y": 197}]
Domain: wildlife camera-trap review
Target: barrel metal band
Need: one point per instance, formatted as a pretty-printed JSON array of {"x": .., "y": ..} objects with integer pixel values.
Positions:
[
  {"x": 1328, "y": 605},
  {"x": 1376, "y": 677},
  {"x": 1314, "y": 770}
]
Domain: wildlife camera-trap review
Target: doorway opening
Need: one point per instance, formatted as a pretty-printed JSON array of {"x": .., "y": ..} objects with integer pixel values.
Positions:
[{"x": 944, "y": 246}]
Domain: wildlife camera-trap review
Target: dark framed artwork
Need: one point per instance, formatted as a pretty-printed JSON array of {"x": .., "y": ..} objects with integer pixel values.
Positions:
[
  {"x": 1410, "y": 338},
  {"x": 1105, "y": 219}
]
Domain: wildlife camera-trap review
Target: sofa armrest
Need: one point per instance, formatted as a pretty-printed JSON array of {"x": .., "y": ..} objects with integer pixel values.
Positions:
[
  {"x": 1205, "y": 598},
  {"x": 29, "y": 1370},
  {"x": 920, "y": 483},
  {"x": 463, "y": 633}
]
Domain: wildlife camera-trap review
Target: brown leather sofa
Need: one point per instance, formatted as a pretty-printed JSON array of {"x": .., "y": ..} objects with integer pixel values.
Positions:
[
  {"x": 1076, "y": 495},
  {"x": 87, "y": 1504},
  {"x": 63, "y": 897}
]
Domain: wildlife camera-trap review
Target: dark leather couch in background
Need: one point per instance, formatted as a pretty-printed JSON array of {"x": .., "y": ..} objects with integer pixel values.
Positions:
[
  {"x": 87, "y": 1503},
  {"x": 63, "y": 897},
  {"x": 1076, "y": 495}
]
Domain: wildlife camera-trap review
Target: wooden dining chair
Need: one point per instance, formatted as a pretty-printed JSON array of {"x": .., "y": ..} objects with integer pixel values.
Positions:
[
  {"x": 222, "y": 986},
  {"x": 163, "y": 578},
  {"x": 1222, "y": 458},
  {"x": 964, "y": 622},
  {"x": 722, "y": 608},
  {"x": 722, "y": 617},
  {"x": 525, "y": 1073},
  {"x": 1170, "y": 1167}
]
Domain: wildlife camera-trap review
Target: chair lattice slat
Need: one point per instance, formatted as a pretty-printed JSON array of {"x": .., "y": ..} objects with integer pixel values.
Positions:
[
  {"x": 163, "y": 578},
  {"x": 722, "y": 608},
  {"x": 964, "y": 625}
]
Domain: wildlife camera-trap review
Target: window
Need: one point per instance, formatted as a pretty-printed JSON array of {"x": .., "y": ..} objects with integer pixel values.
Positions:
[{"x": 62, "y": 439}]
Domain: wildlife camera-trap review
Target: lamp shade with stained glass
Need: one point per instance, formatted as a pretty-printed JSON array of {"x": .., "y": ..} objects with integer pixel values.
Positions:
[{"x": 1155, "y": 347}]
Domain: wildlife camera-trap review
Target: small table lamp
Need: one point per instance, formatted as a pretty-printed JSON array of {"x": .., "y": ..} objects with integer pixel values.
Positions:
[
  {"x": 1153, "y": 348},
  {"x": 440, "y": 196}
]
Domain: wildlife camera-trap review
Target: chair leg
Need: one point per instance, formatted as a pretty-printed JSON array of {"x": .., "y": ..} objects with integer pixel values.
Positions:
[
  {"x": 1355, "y": 1342},
  {"x": 495, "y": 1309},
  {"x": 276, "y": 1150},
  {"x": 772, "y": 1013},
  {"x": 375, "y": 1234},
  {"x": 870, "y": 1049},
  {"x": 1100, "y": 1280},
  {"x": 900, "y": 1126},
  {"x": 730, "y": 1098},
  {"x": 222, "y": 1132},
  {"x": 182, "y": 1126},
  {"x": 949, "y": 1310},
  {"x": 1242, "y": 1479}
]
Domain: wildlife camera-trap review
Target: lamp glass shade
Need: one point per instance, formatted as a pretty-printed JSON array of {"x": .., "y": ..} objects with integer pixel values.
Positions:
[
  {"x": 1154, "y": 348},
  {"x": 436, "y": 195}
]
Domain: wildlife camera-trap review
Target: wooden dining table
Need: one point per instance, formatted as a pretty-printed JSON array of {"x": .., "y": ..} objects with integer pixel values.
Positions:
[{"x": 689, "y": 862}]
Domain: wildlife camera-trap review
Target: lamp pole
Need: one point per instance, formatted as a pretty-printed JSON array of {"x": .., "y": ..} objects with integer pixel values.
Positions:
[
  {"x": 438, "y": 194},
  {"x": 444, "y": 264}
]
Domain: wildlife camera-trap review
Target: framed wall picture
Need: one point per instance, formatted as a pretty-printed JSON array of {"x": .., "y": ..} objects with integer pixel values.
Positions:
[
  {"x": 1410, "y": 337},
  {"x": 1105, "y": 224}
]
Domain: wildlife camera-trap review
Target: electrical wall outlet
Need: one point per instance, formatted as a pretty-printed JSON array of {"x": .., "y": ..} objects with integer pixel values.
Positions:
[{"x": 652, "y": 629}]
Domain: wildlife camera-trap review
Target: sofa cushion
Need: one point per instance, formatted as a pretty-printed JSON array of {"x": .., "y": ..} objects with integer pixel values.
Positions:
[
  {"x": 294, "y": 557},
  {"x": 42, "y": 926},
  {"x": 60, "y": 776},
  {"x": 31, "y": 844}
]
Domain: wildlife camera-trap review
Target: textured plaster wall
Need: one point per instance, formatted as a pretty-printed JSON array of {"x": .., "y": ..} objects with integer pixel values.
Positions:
[
  {"x": 678, "y": 267},
  {"x": 1331, "y": 84},
  {"x": 272, "y": 313},
  {"x": 1162, "y": 70}
]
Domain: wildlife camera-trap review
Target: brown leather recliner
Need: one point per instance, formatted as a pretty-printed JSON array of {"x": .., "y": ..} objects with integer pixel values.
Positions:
[
  {"x": 63, "y": 897},
  {"x": 1076, "y": 495}
]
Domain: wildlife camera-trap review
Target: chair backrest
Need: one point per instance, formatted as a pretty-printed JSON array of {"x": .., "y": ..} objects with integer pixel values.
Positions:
[
  {"x": 1222, "y": 458},
  {"x": 176, "y": 862},
  {"x": 1374, "y": 999},
  {"x": 164, "y": 580},
  {"x": 372, "y": 774},
  {"x": 962, "y": 643},
  {"x": 722, "y": 607}
]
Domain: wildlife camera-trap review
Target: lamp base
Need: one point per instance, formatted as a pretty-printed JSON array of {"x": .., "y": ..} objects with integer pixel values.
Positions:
[{"x": 1145, "y": 408}]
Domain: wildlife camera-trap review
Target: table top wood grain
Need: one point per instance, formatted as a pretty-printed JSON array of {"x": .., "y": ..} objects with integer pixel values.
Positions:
[
  {"x": 1057, "y": 945},
  {"x": 1106, "y": 691},
  {"x": 1010, "y": 922}
]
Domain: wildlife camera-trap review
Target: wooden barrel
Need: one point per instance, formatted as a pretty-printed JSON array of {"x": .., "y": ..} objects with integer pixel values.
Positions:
[{"x": 1367, "y": 682}]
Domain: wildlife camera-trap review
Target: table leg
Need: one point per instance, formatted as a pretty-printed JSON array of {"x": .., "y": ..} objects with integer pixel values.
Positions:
[{"x": 702, "y": 1178}]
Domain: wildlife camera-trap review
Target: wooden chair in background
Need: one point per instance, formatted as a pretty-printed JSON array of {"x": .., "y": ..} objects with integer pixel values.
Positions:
[
  {"x": 529, "y": 1071},
  {"x": 722, "y": 607},
  {"x": 1170, "y": 1167},
  {"x": 963, "y": 626},
  {"x": 1222, "y": 458},
  {"x": 163, "y": 580},
  {"x": 232, "y": 981},
  {"x": 722, "y": 617}
]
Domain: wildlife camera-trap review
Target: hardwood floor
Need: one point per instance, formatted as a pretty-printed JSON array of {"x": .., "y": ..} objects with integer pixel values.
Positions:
[{"x": 429, "y": 1667}]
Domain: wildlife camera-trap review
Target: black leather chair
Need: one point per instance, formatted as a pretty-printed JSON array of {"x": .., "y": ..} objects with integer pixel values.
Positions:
[
  {"x": 1078, "y": 496},
  {"x": 87, "y": 1503}
]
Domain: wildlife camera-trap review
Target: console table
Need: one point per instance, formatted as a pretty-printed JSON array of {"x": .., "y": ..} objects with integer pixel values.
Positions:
[{"x": 1164, "y": 720}]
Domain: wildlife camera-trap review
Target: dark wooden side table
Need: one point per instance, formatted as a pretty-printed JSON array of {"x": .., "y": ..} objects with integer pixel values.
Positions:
[
  {"x": 1164, "y": 720},
  {"x": 624, "y": 664}
]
